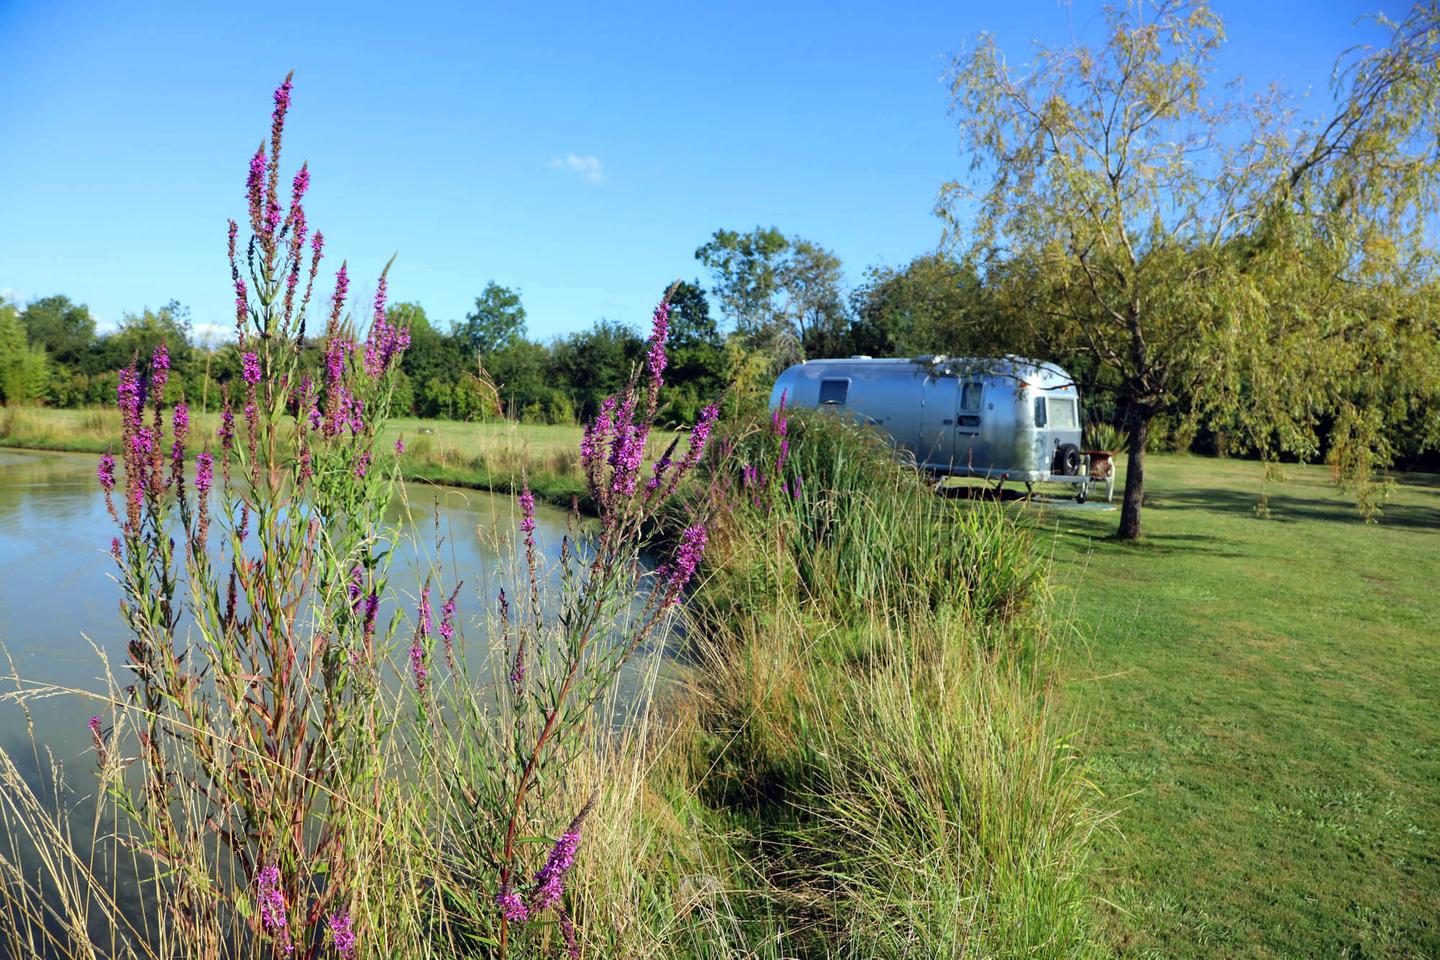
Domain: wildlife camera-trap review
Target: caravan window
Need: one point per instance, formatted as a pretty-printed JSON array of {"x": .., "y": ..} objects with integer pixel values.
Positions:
[
  {"x": 1061, "y": 413},
  {"x": 970, "y": 397},
  {"x": 1039, "y": 411},
  {"x": 834, "y": 392}
]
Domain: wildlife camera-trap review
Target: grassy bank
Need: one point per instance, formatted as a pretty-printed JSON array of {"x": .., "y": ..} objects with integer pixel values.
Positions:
[
  {"x": 1260, "y": 696},
  {"x": 876, "y": 698},
  {"x": 489, "y": 455}
]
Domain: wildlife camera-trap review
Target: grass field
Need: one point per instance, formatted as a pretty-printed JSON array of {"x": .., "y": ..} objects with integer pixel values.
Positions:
[{"x": 1261, "y": 703}]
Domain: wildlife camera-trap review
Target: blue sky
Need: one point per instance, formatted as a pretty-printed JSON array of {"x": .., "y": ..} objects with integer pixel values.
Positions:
[{"x": 578, "y": 152}]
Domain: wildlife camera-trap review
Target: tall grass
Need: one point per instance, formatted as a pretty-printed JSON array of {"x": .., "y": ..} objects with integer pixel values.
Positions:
[{"x": 874, "y": 672}]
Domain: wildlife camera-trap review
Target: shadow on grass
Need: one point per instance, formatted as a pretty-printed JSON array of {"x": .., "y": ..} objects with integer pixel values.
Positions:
[{"x": 1288, "y": 509}]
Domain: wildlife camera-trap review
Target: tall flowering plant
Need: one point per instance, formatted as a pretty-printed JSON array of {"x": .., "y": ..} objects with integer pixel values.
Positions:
[
  {"x": 507, "y": 767},
  {"x": 252, "y": 576}
]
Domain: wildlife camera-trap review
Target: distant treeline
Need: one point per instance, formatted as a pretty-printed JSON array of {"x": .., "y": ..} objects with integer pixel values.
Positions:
[{"x": 771, "y": 300}]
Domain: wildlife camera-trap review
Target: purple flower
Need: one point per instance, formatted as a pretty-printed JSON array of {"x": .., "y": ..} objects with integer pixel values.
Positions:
[
  {"x": 251, "y": 371},
  {"x": 687, "y": 558},
  {"x": 204, "y": 472},
  {"x": 699, "y": 434},
  {"x": 362, "y": 465},
  {"x": 656, "y": 360},
  {"x": 527, "y": 515},
  {"x": 795, "y": 488},
  {"x": 512, "y": 908},
  {"x": 335, "y": 355},
  {"x": 130, "y": 394},
  {"x": 424, "y": 615},
  {"x": 271, "y": 899},
  {"x": 342, "y": 937},
  {"x": 627, "y": 449},
  {"x": 596, "y": 434},
  {"x": 282, "y": 99},
  {"x": 337, "y": 299},
  {"x": 784, "y": 454},
  {"x": 106, "y": 471},
  {"x": 356, "y": 580},
  {"x": 95, "y": 725},
  {"x": 372, "y": 607},
  {"x": 417, "y": 665},
  {"x": 567, "y": 932},
  {"x": 255, "y": 185},
  {"x": 447, "y": 621},
  {"x": 142, "y": 442},
  {"x": 241, "y": 307},
  {"x": 400, "y": 445},
  {"x": 181, "y": 421},
  {"x": 226, "y": 431},
  {"x": 300, "y": 184},
  {"x": 550, "y": 881},
  {"x": 160, "y": 367}
]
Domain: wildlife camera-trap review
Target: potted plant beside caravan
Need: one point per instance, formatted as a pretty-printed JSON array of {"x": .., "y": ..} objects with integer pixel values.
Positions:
[{"x": 1005, "y": 419}]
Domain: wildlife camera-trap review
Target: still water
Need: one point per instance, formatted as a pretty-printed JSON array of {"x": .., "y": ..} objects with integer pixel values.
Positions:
[
  {"x": 59, "y": 605},
  {"x": 57, "y": 595}
]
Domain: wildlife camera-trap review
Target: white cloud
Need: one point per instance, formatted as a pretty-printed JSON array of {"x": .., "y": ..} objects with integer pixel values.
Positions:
[{"x": 588, "y": 166}]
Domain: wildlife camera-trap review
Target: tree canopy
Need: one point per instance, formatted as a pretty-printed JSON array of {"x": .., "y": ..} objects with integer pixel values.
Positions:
[{"x": 1201, "y": 256}]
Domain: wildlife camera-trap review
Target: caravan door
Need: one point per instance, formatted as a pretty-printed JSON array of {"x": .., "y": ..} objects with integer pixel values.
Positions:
[{"x": 936, "y": 446}]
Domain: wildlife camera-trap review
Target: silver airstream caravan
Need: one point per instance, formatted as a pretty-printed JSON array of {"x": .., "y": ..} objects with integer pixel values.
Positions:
[{"x": 1006, "y": 419}]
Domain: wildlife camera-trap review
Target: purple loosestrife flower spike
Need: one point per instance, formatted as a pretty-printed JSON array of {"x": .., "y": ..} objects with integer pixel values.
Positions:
[
  {"x": 337, "y": 299},
  {"x": 204, "y": 472},
  {"x": 687, "y": 559},
  {"x": 226, "y": 431},
  {"x": 160, "y": 367},
  {"x": 512, "y": 908},
  {"x": 106, "y": 471},
  {"x": 362, "y": 465},
  {"x": 271, "y": 898},
  {"x": 417, "y": 665},
  {"x": 356, "y": 589},
  {"x": 300, "y": 184},
  {"x": 567, "y": 932},
  {"x": 251, "y": 371},
  {"x": 527, "y": 515},
  {"x": 550, "y": 880},
  {"x": 342, "y": 937},
  {"x": 656, "y": 360},
  {"x": 400, "y": 445},
  {"x": 699, "y": 435},
  {"x": 255, "y": 186},
  {"x": 130, "y": 395},
  {"x": 784, "y": 454}
]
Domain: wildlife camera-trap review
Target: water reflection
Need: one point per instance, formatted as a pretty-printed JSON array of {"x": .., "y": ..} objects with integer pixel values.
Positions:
[
  {"x": 58, "y": 597},
  {"x": 57, "y": 593}
]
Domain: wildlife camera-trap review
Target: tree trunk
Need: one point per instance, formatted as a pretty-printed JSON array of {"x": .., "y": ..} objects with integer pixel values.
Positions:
[{"x": 1134, "y": 474}]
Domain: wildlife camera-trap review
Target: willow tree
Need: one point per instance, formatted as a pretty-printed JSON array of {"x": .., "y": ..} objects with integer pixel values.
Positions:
[{"x": 1202, "y": 255}]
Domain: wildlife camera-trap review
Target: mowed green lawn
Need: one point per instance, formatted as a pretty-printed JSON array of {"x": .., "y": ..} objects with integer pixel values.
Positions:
[{"x": 1260, "y": 702}]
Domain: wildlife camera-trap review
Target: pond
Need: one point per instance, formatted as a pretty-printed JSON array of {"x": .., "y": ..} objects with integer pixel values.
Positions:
[{"x": 57, "y": 595}]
